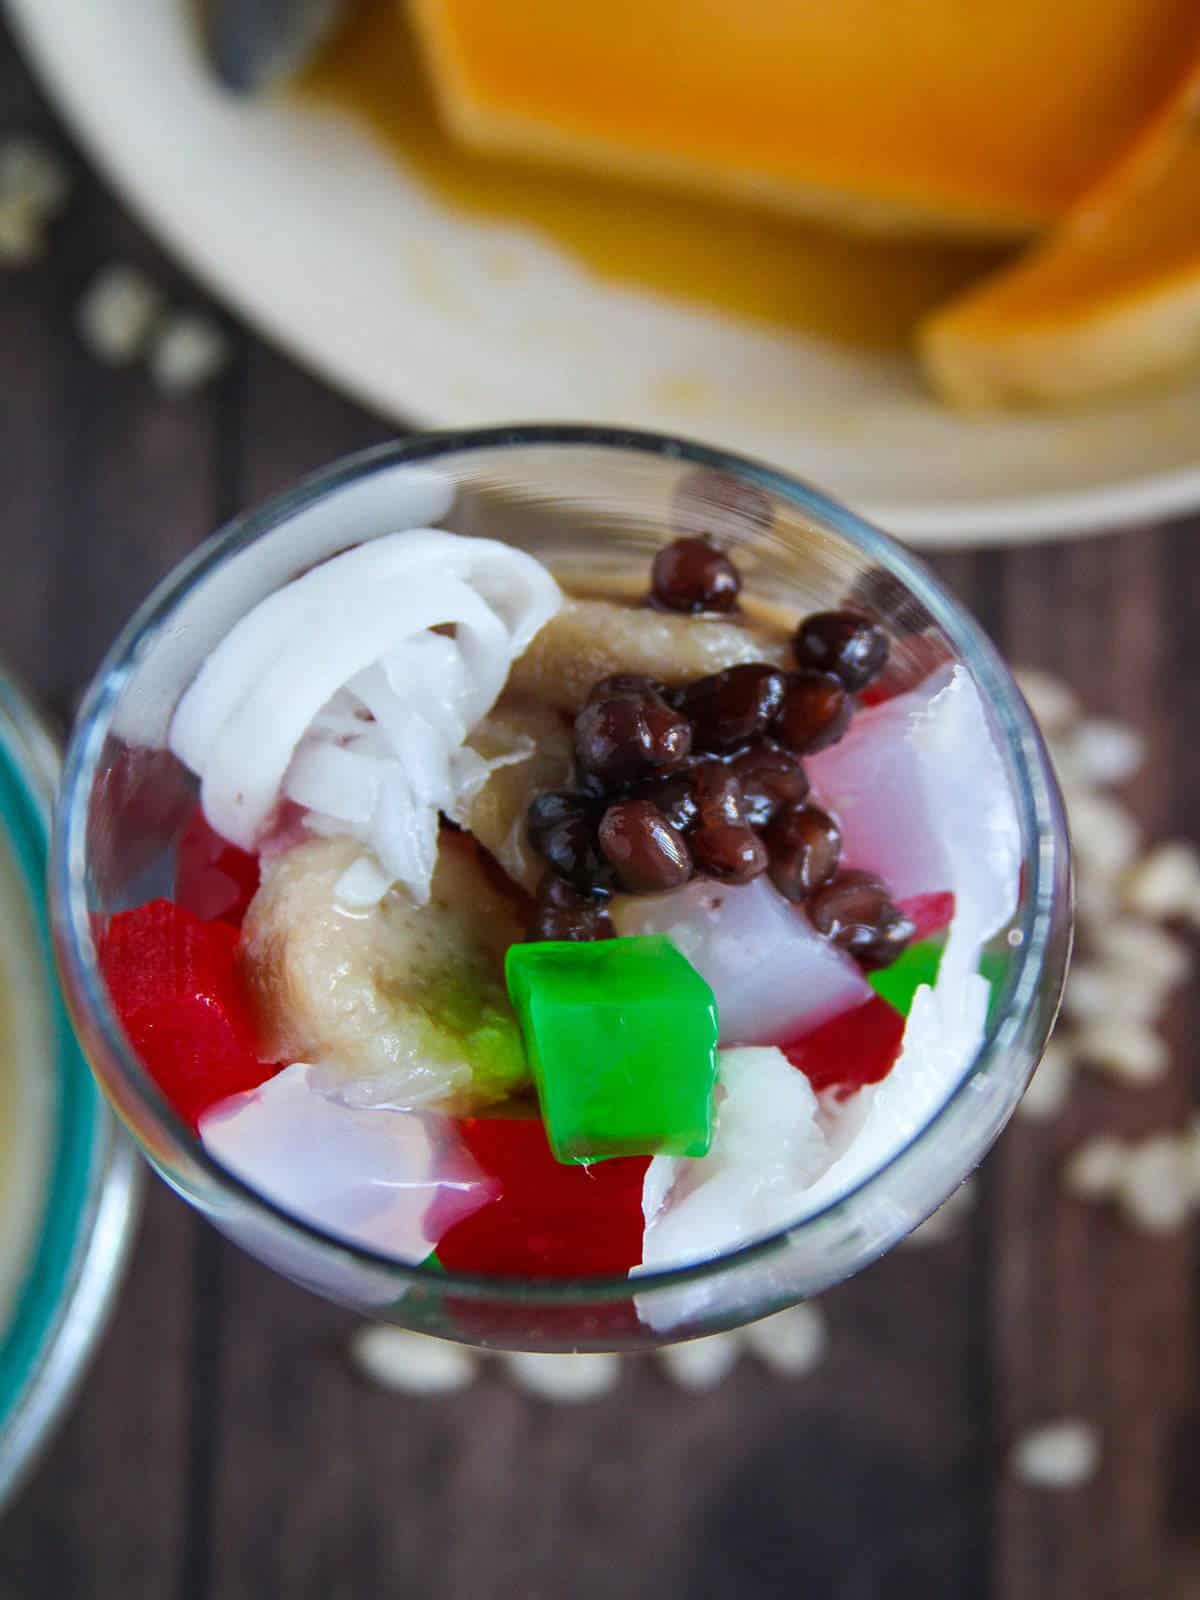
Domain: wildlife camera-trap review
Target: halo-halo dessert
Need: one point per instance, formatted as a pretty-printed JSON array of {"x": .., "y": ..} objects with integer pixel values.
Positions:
[{"x": 551, "y": 932}]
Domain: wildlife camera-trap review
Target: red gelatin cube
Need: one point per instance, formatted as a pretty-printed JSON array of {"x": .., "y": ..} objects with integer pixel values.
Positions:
[
  {"x": 929, "y": 913},
  {"x": 850, "y": 1050},
  {"x": 549, "y": 1220},
  {"x": 213, "y": 878},
  {"x": 175, "y": 987}
]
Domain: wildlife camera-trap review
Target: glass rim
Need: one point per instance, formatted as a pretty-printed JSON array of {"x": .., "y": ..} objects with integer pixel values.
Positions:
[{"x": 1042, "y": 847}]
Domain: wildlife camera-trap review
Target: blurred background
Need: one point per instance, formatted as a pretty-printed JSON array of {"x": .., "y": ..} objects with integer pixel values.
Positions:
[{"x": 236, "y": 246}]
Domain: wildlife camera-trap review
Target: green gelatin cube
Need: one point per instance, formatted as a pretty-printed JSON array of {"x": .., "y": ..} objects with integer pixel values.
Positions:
[
  {"x": 919, "y": 964},
  {"x": 622, "y": 1038},
  {"x": 898, "y": 983}
]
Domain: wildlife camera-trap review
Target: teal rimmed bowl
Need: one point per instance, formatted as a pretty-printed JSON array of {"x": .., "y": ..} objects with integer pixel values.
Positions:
[{"x": 69, "y": 1181}]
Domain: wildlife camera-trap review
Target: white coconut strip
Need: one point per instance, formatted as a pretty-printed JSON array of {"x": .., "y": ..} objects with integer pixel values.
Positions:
[
  {"x": 338, "y": 782},
  {"x": 240, "y": 724},
  {"x": 520, "y": 592},
  {"x": 404, "y": 834},
  {"x": 432, "y": 671},
  {"x": 515, "y": 586},
  {"x": 242, "y": 772},
  {"x": 454, "y": 681},
  {"x": 396, "y": 830},
  {"x": 383, "y": 781},
  {"x": 370, "y": 799},
  {"x": 363, "y": 884},
  {"x": 322, "y": 599},
  {"x": 343, "y": 717},
  {"x": 434, "y": 663},
  {"x": 470, "y": 771},
  {"x": 392, "y": 497}
]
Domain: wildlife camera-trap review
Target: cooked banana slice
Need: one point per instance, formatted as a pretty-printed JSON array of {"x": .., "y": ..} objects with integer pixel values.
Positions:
[
  {"x": 589, "y": 639},
  {"x": 496, "y": 816},
  {"x": 397, "y": 1005}
]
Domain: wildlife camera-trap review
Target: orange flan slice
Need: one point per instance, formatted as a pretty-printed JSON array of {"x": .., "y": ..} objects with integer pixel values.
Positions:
[
  {"x": 1109, "y": 301},
  {"x": 969, "y": 116}
]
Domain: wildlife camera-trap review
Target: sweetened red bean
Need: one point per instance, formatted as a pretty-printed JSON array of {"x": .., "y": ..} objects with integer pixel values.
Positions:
[
  {"x": 675, "y": 797},
  {"x": 728, "y": 851},
  {"x": 857, "y": 913},
  {"x": 845, "y": 643},
  {"x": 560, "y": 912},
  {"x": 718, "y": 794},
  {"x": 547, "y": 810},
  {"x": 573, "y": 851},
  {"x": 730, "y": 707},
  {"x": 804, "y": 844},
  {"x": 769, "y": 777},
  {"x": 630, "y": 737},
  {"x": 647, "y": 854},
  {"x": 693, "y": 575},
  {"x": 815, "y": 712}
]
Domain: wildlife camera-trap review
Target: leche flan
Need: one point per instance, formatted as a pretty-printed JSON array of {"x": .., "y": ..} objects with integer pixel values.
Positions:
[
  {"x": 1108, "y": 301},
  {"x": 983, "y": 117}
]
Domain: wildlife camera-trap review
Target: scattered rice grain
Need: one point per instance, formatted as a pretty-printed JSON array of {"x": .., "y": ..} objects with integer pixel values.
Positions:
[
  {"x": 1165, "y": 883},
  {"x": 1058, "y": 1455},
  {"x": 1123, "y": 1048},
  {"x": 1155, "y": 1187},
  {"x": 190, "y": 351},
  {"x": 1096, "y": 1169},
  {"x": 1105, "y": 835},
  {"x": 1052, "y": 702},
  {"x": 1112, "y": 991},
  {"x": 1105, "y": 752},
  {"x": 701, "y": 1363},
  {"x": 792, "y": 1342},
  {"x": 567, "y": 1378},
  {"x": 1191, "y": 1152},
  {"x": 20, "y": 234},
  {"x": 394, "y": 1358},
  {"x": 33, "y": 175},
  {"x": 117, "y": 314},
  {"x": 1143, "y": 948}
]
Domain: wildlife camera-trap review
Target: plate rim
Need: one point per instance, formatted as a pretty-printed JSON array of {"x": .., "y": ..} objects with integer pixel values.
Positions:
[{"x": 976, "y": 523}]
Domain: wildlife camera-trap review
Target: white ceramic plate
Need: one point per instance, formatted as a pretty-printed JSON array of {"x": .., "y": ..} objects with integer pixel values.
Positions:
[{"x": 294, "y": 215}]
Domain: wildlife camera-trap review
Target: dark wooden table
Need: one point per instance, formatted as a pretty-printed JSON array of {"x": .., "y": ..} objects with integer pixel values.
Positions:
[{"x": 222, "y": 1447}]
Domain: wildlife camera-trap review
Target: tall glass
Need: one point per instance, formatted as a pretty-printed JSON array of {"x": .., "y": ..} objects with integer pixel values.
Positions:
[{"x": 595, "y": 505}]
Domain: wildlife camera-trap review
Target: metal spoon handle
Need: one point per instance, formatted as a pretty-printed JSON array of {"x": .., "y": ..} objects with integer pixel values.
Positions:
[{"x": 255, "y": 45}]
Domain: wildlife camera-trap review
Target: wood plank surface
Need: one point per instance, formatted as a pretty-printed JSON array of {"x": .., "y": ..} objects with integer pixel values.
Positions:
[{"x": 224, "y": 1450}]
